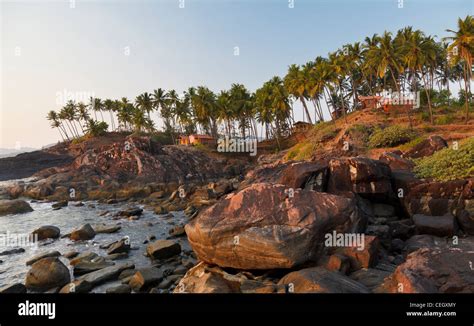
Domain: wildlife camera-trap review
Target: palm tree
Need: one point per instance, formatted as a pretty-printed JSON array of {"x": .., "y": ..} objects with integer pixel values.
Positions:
[
  {"x": 159, "y": 100},
  {"x": 206, "y": 113},
  {"x": 109, "y": 107},
  {"x": 296, "y": 82},
  {"x": 462, "y": 48},
  {"x": 55, "y": 123},
  {"x": 125, "y": 113},
  {"x": 82, "y": 114},
  {"x": 144, "y": 103}
]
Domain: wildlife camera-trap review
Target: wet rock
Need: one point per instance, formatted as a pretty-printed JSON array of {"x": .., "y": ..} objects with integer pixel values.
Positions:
[
  {"x": 145, "y": 277},
  {"x": 180, "y": 270},
  {"x": 76, "y": 286},
  {"x": 71, "y": 254},
  {"x": 59, "y": 204},
  {"x": 12, "y": 252},
  {"x": 121, "y": 246},
  {"x": 261, "y": 228},
  {"x": 118, "y": 256},
  {"x": 159, "y": 210},
  {"x": 122, "y": 288},
  {"x": 46, "y": 274},
  {"x": 435, "y": 225},
  {"x": 34, "y": 259},
  {"x": 15, "y": 206},
  {"x": 85, "y": 267},
  {"x": 130, "y": 212},
  {"x": 402, "y": 229},
  {"x": 13, "y": 288},
  {"x": 370, "y": 277},
  {"x": 46, "y": 232},
  {"x": 85, "y": 232},
  {"x": 102, "y": 228},
  {"x": 106, "y": 274},
  {"x": 320, "y": 280},
  {"x": 162, "y": 249}
]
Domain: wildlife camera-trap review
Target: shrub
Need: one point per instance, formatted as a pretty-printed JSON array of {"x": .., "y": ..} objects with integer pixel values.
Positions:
[
  {"x": 448, "y": 163},
  {"x": 445, "y": 119},
  {"x": 407, "y": 146},
  {"x": 361, "y": 132},
  {"x": 390, "y": 136}
]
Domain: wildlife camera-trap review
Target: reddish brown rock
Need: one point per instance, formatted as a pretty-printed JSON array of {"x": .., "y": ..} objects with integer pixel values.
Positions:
[
  {"x": 203, "y": 278},
  {"x": 364, "y": 176},
  {"x": 308, "y": 175},
  {"x": 396, "y": 162},
  {"x": 261, "y": 228},
  {"x": 320, "y": 280},
  {"x": 162, "y": 249},
  {"x": 439, "y": 268},
  {"x": 85, "y": 232},
  {"x": 365, "y": 257},
  {"x": 46, "y": 274},
  {"x": 427, "y": 147}
]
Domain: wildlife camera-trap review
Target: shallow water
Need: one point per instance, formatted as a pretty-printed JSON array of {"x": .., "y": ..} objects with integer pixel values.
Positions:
[{"x": 14, "y": 269}]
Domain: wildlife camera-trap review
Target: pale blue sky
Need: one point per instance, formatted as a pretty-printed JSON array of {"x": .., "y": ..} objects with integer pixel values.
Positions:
[{"x": 82, "y": 49}]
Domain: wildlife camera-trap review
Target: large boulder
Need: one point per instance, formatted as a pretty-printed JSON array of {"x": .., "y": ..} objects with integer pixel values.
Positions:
[
  {"x": 436, "y": 267},
  {"x": 260, "y": 227},
  {"x": 366, "y": 177},
  {"x": 46, "y": 232},
  {"x": 320, "y": 280},
  {"x": 308, "y": 175},
  {"x": 427, "y": 147},
  {"x": 46, "y": 274},
  {"x": 15, "y": 206}
]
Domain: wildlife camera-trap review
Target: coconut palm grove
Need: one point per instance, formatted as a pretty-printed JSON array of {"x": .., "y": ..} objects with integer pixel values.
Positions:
[{"x": 328, "y": 87}]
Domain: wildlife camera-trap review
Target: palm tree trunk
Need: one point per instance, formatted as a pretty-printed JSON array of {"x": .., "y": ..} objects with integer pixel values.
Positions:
[
  {"x": 466, "y": 79},
  {"x": 306, "y": 109},
  {"x": 428, "y": 97}
]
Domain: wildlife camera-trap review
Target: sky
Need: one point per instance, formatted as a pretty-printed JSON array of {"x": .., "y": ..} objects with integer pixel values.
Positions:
[{"x": 117, "y": 48}]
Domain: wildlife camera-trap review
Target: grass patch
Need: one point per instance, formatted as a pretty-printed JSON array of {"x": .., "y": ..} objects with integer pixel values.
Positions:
[
  {"x": 448, "y": 163},
  {"x": 390, "y": 136},
  {"x": 301, "y": 151},
  {"x": 412, "y": 143},
  {"x": 445, "y": 119}
]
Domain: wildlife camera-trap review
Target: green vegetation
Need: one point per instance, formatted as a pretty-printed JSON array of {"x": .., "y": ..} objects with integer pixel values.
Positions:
[
  {"x": 448, "y": 164},
  {"x": 301, "y": 151},
  {"x": 361, "y": 132},
  {"x": 407, "y": 146},
  {"x": 390, "y": 136}
]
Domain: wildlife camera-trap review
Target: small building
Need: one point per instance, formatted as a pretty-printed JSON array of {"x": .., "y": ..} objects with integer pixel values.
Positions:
[
  {"x": 370, "y": 102},
  {"x": 300, "y": 127},
  {"x": 196, "y": 139}
]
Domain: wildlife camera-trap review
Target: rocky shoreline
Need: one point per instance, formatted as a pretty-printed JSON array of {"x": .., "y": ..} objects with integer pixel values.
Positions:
[{"x": 267, "y": 228}]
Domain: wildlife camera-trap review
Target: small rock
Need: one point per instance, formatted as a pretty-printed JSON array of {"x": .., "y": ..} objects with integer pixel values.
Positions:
[
  {"x": 85, "y": 232},
  {"x": 435, "y": 225},
  {"x": 16, "y": 206},
  {"x": 46, "y": 232},
  {"x": 130, "y": 212},
  {"x": 122, "y": 246},
  {"x": 177, "y": 231},
  {"x": 59, "y": 205},
  {"x": 118, "y": 256},
  {"x": 338, "y": 262},
  {"x": 162, "y": 249},
  {"x": 12, "y": 251},
  {"x": 41, "y": 256},
  {"x": 145, "y": 277},
  {"x": 46, "y": 274},
  {"x": 77, "y": 286},
  {"x": 71, "y": 254},
  {"x": 102, "y": 228},
  {"x": 122, "y": 288},
  {"x": 180, "y": 270}
]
